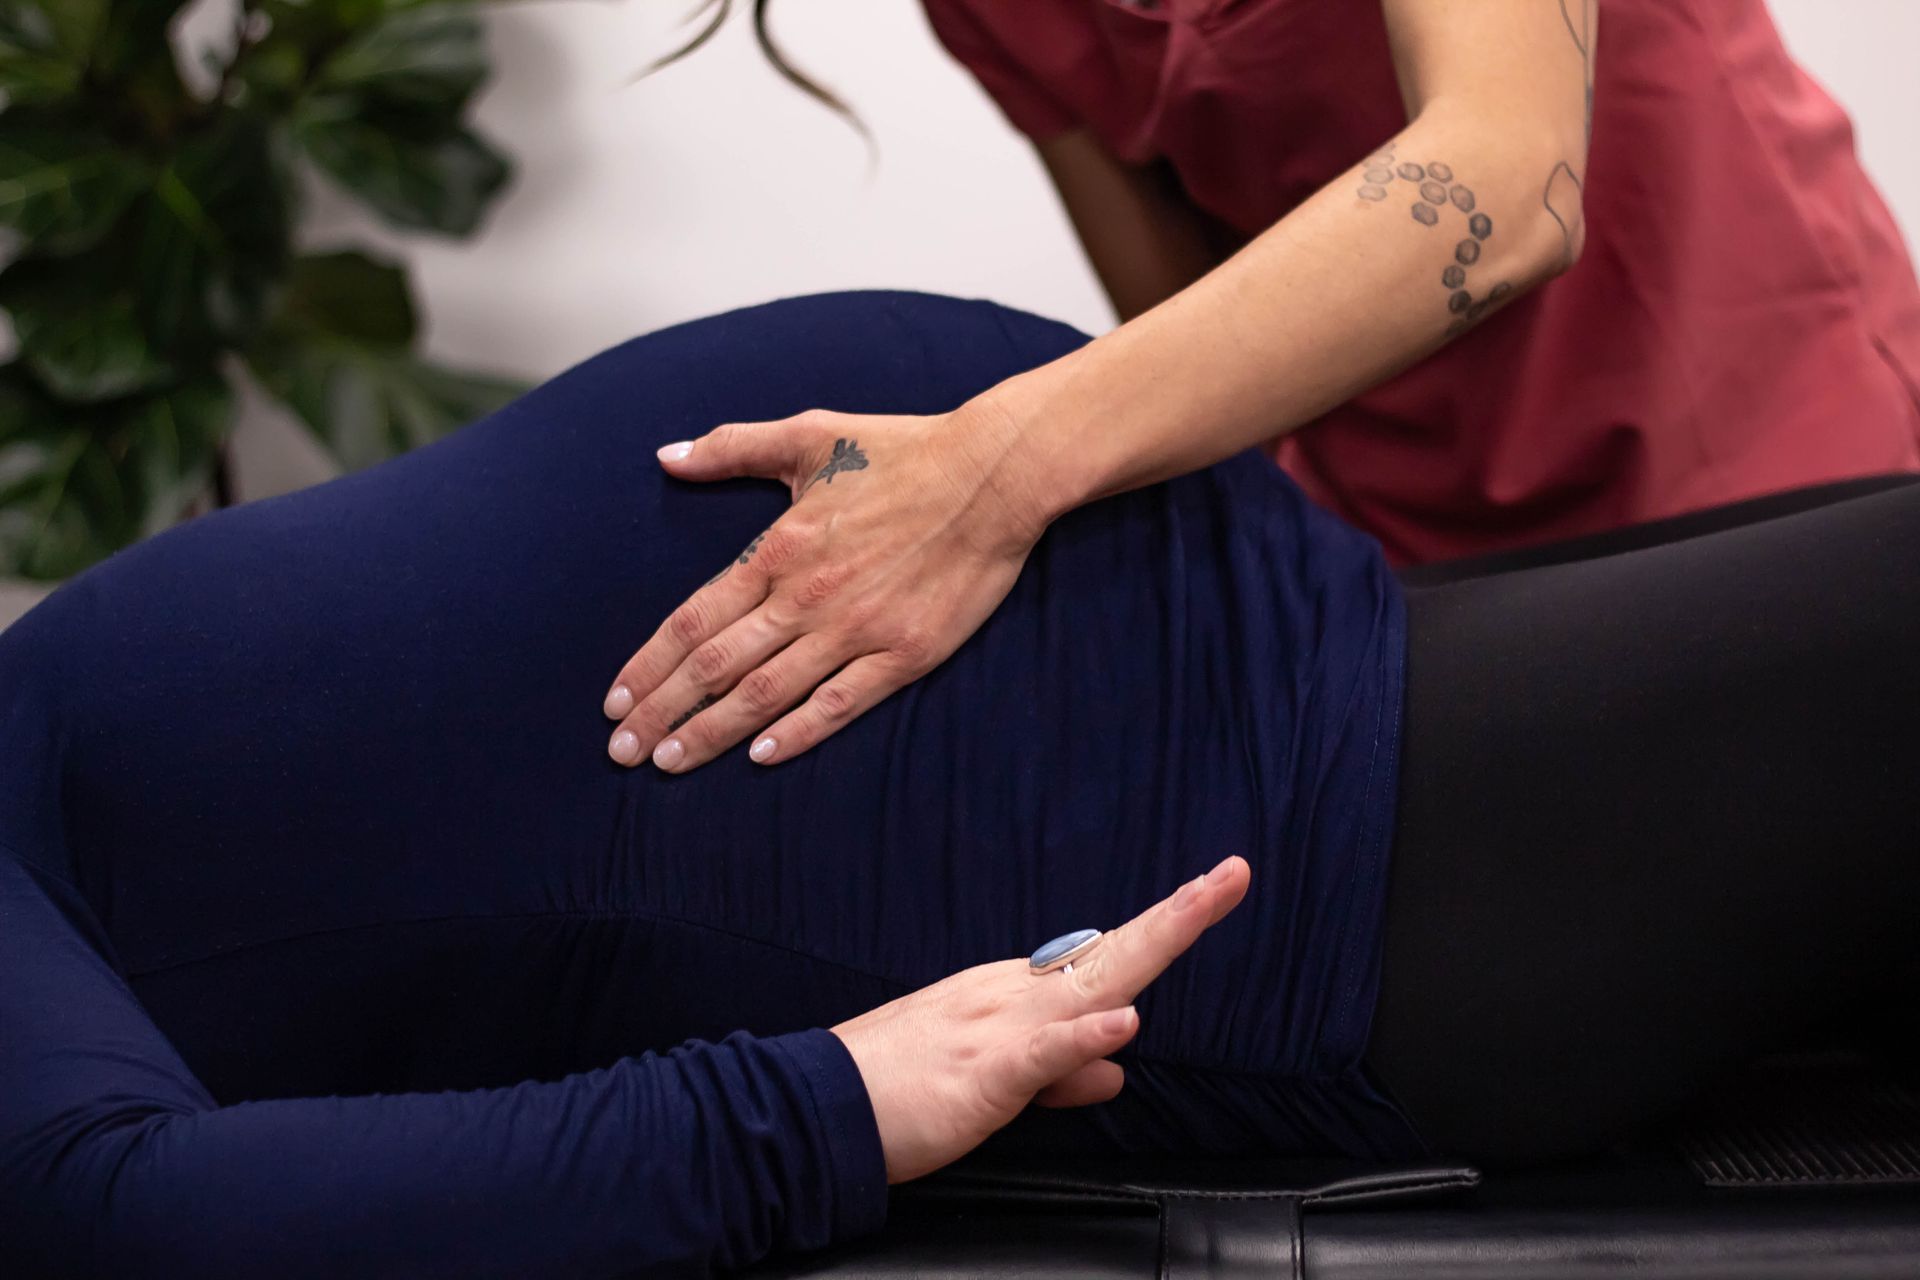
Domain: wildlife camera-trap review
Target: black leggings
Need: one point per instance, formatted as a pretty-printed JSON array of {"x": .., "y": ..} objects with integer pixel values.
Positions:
[{"x": 1660, "y": 798}]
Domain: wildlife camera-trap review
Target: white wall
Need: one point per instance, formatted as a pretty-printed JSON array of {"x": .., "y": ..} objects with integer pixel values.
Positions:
[{"x": 713, "y": 184}]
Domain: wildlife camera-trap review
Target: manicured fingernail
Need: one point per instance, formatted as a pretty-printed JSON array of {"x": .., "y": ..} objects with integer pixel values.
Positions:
[
  {"x": 1117, "y": 1020},
  {"x": 675, "y": 452},
  {"x": 625, "y": 747},
  {"x": 667, "y": 755},
  {"x": 763, "y": 749},
  {"x": 1214, "y": 875},
  {"x": 619, "y": 702},
  {"x": 1188, "y": 892}
]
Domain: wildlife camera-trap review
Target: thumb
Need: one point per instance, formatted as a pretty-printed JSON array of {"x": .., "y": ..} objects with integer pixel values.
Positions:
[
  {"x": 1059, "y": 1049},
  {"x": 774, "y": 450}
]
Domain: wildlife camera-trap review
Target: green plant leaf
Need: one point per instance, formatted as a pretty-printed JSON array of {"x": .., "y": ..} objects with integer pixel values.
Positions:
[
  {"x": 416, "y": 170},
  {"x": 351, "y": 296},
  {"x": 45, "y": 46},
  {"x": 62, "y": 184},
  {"x": 213, "y": 238},
  {"x": 133, "y": 40},
  {"x": 189, "y": 271},
  {"x": 429, "y": 60},
  {"x": 79, "y": 482},
  {"x": 79, "y": 330},
  {"x": 384, "y": 121},
  {"x": 171, "y": 445},
  {"x": 367, "y": 404}
]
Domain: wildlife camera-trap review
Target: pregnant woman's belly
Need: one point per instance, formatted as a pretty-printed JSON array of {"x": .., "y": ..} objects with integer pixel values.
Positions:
[{"x": 333, "y": 769}]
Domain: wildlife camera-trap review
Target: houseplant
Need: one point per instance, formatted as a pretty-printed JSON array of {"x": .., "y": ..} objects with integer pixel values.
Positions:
[{"x": 152, "y": 259}]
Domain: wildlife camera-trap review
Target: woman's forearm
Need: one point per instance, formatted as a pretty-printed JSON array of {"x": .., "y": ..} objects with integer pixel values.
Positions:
[{"x": 1458, "y": 215}]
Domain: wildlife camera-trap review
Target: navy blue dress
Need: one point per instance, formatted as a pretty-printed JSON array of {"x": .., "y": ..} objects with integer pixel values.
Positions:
[{"x": 332, "y": 944}]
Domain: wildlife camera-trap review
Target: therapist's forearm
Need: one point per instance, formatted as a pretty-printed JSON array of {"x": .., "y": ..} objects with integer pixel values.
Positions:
[{"x": 1362, "y": 280}]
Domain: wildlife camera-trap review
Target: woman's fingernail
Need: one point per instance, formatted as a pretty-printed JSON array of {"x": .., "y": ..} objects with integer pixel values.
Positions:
[
  {"x": 667, "y": 755},
  {"x": 625, "y": 747},
  {"x": 762, "y": 749},
  {"x": 1215, "y": 874},
  {"x": 675, "y": 452},
  {"x": 1188, "y": 892},
  {"x": 1117, "y": 1020},
  {"x": 619, "y": 702}
]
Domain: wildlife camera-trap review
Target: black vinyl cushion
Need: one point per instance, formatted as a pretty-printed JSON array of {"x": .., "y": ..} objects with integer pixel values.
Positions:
[{"x": 1644, "y": 1212}]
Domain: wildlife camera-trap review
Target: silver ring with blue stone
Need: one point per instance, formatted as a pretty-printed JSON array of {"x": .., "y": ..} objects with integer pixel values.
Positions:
[{"x": 1063, "y": 951}]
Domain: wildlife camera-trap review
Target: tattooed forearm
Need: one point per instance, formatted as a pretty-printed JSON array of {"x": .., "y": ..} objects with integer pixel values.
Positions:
[
  {"x": 1581, "y": 25},
  {"x": 1562, "y": 198},
  {"x": 846, "y": 457},
  {"x": 1434, "y": 193}
]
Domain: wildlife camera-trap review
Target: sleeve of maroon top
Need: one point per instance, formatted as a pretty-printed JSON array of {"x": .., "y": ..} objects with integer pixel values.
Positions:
[{"x": 1023, "y": 100}]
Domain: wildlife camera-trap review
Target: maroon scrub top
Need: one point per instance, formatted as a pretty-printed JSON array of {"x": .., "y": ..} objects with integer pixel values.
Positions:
[{"x": 1744, "y": 319}]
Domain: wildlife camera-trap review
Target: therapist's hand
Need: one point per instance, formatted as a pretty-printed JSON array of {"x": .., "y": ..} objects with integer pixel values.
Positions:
[
  {"x": 948, "y": 1065},
  {"x": 898, "y": 545}
]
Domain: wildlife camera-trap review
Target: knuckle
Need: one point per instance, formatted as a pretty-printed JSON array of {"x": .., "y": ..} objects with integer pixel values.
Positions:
[
  {"x": 913, "y": 648},
  {"x": 1086, "y": 979},
  {"x": 821, "y": 586},
  {"x": 778, "y": 548},
  {"x": 1039, "y": 1055},
  {"x": 708, "y": 664},
  {"x": 834, "y": 700},
  {"x": 688, "y": 624},
  {"x": 761, "y": 691}
]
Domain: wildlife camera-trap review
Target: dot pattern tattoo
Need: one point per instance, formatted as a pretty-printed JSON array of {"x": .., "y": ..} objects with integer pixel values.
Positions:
[{"x": 1434, "y": 190}]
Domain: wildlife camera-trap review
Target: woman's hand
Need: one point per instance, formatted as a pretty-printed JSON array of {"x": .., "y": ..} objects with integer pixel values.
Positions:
[
  {"x": 897, "y": 547},
  {"x": 950, "y": 1064}
]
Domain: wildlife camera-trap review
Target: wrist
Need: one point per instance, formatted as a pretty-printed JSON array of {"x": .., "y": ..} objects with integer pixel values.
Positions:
[{"x": 1015, "y": 446}]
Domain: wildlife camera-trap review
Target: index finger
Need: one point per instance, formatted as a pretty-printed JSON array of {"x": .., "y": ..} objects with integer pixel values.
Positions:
[
  {"x": 725, "y": 598},
  {"x": 1130, "y": 957}
]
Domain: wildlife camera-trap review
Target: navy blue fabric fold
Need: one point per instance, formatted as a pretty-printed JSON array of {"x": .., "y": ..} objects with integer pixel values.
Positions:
[{"x": 331, "y": 942}]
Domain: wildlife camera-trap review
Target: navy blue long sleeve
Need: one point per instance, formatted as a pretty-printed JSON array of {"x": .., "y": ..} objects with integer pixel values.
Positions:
[
  {"x": 331, "y": 942},
  {"x": 114, "y": 1161}
]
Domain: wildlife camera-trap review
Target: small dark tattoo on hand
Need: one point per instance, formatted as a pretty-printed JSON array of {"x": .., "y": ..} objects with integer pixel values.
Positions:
[
  {"x": 846, "y": 457},
  {"x": 693, "y": 711},
  {"x": 742, "y": 558}
]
